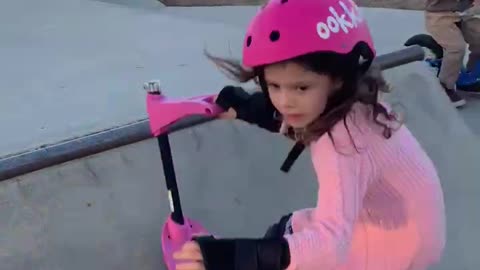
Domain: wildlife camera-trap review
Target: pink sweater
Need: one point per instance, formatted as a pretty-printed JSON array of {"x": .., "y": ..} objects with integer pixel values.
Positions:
[{"x": 379, "y": 209}]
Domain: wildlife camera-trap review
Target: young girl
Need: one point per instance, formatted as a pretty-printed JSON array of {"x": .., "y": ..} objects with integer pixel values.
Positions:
[{"x": 380, "y": 204}]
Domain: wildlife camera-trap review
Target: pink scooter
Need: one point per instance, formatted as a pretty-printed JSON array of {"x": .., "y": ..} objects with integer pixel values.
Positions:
[{"x": 166, "y": 116}]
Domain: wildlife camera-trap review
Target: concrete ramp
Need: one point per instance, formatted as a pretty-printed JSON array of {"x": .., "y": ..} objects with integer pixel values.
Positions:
[
  {"x": 73, "y": 67},
  {"x": 106, "y": 211}
]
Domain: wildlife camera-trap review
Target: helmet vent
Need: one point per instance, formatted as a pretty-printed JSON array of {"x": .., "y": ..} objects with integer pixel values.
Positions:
[
  {"x": 274, "y": 36},
  {"x": 284, "y": 1},
  {"x": 249, "y": 41}
]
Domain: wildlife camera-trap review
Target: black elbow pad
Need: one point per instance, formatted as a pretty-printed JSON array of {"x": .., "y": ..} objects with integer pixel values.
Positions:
[{"x": 244, "y": 254}]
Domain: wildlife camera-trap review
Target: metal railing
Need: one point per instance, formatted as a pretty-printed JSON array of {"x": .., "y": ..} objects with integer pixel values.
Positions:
[{"x": 55, "y": 154}]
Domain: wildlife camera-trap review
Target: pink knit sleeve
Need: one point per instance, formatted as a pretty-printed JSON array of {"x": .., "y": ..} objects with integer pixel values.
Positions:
[{"x": 324, "y": 240}]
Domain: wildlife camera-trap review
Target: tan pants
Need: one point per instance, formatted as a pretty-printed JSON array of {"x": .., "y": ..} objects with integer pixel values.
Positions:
[{"x": 454, "y": 39}]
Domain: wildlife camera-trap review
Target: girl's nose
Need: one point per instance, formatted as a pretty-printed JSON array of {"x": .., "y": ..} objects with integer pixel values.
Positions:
[{"x": 286, "y": 99}]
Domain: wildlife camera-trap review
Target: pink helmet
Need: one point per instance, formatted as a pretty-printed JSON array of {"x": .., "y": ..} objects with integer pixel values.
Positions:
[{"x": 284, "y": 29}]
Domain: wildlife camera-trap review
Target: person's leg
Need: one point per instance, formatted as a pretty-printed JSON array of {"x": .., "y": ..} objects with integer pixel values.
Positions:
[
  {"x": 471, "y": 33},
  {"x": 442, "y": 26}
]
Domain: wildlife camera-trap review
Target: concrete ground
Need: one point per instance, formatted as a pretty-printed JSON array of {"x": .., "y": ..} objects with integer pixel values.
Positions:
[
  {"x": 98, "y": 55},
  {"x": 63, "y": 58}
]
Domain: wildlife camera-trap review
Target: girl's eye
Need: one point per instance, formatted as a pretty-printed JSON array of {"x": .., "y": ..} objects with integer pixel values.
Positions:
[
  {"x": 302, "y": 88},
  {"x": 273, "y": 87}
]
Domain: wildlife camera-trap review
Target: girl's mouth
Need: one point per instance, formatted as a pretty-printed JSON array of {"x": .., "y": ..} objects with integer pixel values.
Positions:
[{"x": 293, "y": 117}]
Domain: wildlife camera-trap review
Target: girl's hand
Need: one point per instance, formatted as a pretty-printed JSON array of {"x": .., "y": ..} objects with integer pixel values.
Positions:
[
  {"x": 190, "y": 251},
  {"x": 230, "y": 114}
]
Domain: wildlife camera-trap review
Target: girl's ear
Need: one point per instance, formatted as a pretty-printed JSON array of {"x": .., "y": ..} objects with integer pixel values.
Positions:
[{"x": 337, "y": 84}]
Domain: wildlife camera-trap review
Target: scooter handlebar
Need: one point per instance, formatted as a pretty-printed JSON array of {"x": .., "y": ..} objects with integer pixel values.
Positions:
[{"x": 165, "y": 113}]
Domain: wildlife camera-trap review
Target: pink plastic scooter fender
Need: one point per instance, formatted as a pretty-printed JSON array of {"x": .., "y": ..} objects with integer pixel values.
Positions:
[{"x": 162, "y": 112}]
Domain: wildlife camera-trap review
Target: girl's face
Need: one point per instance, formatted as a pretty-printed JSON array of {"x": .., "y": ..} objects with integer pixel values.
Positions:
[{"x": 298, "y": 94}]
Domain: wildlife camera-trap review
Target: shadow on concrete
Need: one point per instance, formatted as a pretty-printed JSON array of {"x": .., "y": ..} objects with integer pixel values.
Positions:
[{"x": 139, "y": 4}]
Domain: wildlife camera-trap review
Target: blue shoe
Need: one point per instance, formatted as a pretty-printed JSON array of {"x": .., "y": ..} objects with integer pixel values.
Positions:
[{"x": 469, "y": 81}]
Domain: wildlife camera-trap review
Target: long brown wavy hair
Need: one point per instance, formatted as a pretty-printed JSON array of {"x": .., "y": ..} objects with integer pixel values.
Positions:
[{"x": 358, "y": 86}]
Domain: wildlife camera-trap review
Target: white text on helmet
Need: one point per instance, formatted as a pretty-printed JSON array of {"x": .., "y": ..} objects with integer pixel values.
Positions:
[{"x": 337, "y": 22}]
